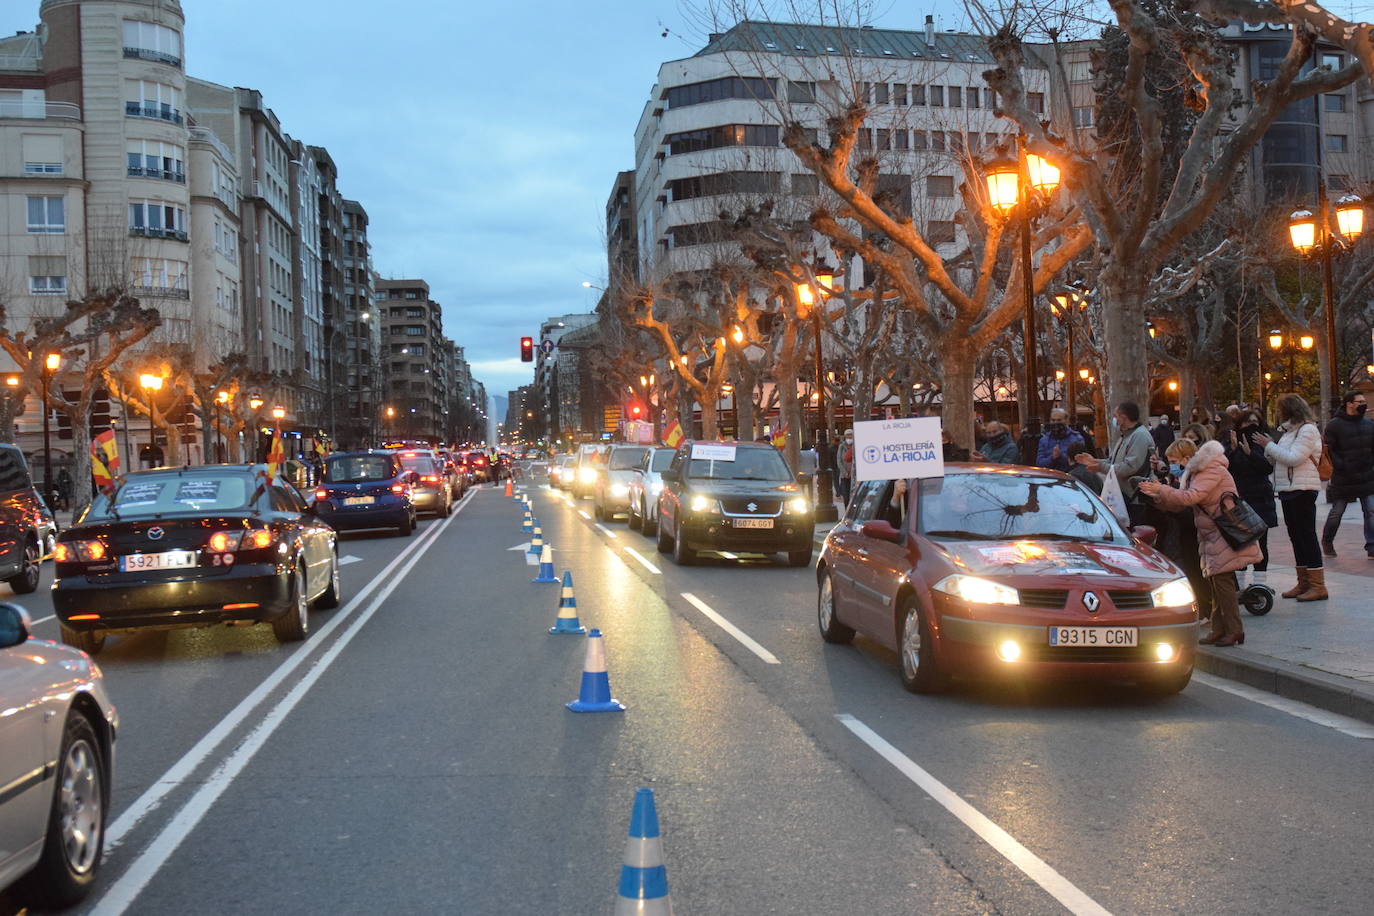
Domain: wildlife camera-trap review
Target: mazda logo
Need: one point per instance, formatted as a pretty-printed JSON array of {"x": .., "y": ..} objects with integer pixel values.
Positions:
[
  {"x": 155, "y": 533},
  {"x": 752, "y": 507},
  {"x": 1091, "y": 602}
]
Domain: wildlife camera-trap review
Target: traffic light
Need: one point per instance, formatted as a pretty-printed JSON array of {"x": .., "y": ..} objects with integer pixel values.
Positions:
[
  {"x": 636, "y": 412},
  {"x": 527, "y": 349}
]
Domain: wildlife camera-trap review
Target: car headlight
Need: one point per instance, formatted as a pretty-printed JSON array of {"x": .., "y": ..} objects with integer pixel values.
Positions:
[
  {"x": 619, "y": 489},
  {"x": 586, "y": 475},
  {"x": 798, "y": 505},
  {"x": 977, "y": 591},
  {"x": 702, "y": 503},
  {"x": 1178, "y": 593}
]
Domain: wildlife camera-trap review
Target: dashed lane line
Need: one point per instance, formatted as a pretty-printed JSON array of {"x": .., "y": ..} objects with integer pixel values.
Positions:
[
  {"x": 643, "y": 562},
  {"x": 744, "y": 638},
  {"x": 585, "y": 514},
  {"x": 1034, "y": 867},
  {"x": 604, "y": 530}
]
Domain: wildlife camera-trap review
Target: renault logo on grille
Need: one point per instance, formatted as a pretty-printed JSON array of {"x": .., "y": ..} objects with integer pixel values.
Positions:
[
  {"x": 752, "y": 507},
  {"x": 155, "y": 533},
  {"x": 1091, "y": 602}
]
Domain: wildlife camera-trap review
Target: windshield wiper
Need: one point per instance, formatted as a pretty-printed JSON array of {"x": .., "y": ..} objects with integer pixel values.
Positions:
[{"x": 969, "y": 535}]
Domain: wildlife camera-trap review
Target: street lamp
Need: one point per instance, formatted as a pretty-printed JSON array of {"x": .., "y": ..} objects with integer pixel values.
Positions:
[
  {"x": 1010, "y": 184},
  {"x": 1278, "y": 341},
  {"x": 825, "y": 487},
  {"x": 278, "y": 413},
  {"x": 51, "y": 363},
  {"x": 151, "y": 384},
  {"x": 255, "y": 402},
  {"x": 1312, "y": 234},
  {"x": 222, "y": 399},
  {"x": 1063, "y": 307}
]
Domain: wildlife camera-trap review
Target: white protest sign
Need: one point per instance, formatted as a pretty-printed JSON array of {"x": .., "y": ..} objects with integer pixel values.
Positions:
[
  {"x": 892, "y": 449},
  {"x": 713, "y": 452}
]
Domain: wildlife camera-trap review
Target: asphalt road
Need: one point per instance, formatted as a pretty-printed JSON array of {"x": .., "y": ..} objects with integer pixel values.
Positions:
[{"x": 414, "y": 756}]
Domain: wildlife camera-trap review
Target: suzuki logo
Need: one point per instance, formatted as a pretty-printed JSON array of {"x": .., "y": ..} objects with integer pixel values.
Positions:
[
  {"x": 752, "y": 507},
  {"x": 1091, "y": 602},
  {"x": 155, "y": 533}
]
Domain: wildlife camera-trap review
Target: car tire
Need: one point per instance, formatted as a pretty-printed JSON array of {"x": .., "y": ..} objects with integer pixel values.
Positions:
[
  {"x": 633, "y": 520},
  {"x": 87, "y": 641},
  {"x": 682, "y": 554},
  {"x": 799, "y": 557},
  {"x": 665, "y": 540},
  {"x": 649, "y": 524},
  {"x": 75, "y": 836},
  {"x": 826, "y": 617},
  {"x": 916, "y": 651},
  {"x": 294, "y": 625},
  {"x": 444, "y": 509},
  {"x": 598, "y": 512},
  {"x": 25, "y": 582},
  {"x": 330, "y": 599},
  {"x": 407, "y": 525}
]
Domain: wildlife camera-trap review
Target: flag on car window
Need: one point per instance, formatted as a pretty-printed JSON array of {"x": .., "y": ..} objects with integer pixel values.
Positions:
[
  {"x": 779, "y": 437},
  {"x": 276, "y": 456},
  {"x": 104, "y": 460},
  {"x": 674, "y": 434}
]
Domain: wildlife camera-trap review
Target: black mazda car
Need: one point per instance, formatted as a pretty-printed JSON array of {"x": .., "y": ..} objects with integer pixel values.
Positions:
[
  {"x": 193, "y": 547},
  {"x": 736, "y": 497}
]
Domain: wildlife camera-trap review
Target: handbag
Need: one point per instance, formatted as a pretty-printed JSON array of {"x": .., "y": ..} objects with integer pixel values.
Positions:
[
  {"x": 1112, "y": 496},
  {"x": 1324, "y": 465},
  {"x": 1238, "y": 523}
]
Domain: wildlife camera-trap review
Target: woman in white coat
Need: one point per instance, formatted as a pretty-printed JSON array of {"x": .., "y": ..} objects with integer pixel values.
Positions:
[{"x": 1297, "y": 481}]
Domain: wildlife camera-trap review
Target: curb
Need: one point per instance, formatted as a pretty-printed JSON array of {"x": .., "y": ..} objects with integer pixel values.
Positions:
[{"x": 1331, "y": 692}]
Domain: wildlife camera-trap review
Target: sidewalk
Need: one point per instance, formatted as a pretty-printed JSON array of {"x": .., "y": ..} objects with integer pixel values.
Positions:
[{"x": 1319, "y": 652}]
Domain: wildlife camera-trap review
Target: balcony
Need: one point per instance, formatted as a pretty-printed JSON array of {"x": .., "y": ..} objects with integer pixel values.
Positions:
[
  {"x": 153, "y": 232},
  {"x": 136, "y": 172},
  {"x": 39, "y": 110},
  {"x": 160, "y": 292},
  {"x": 160, "y": 112},
  {"x": 201, "y": 135},
  {"x": 161, "y": 57}
]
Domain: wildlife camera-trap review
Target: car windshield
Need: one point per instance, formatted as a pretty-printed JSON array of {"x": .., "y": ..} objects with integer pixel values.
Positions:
[
  {"x": 420, "y": 463},
  {"x": 622, "y": 459},
  {"x": 748, "y": 464},
  {"x": 662, "y": 458},
  {"x": 144, "y": 495},
  {"x": 999, "y": 506},
  {"x": 358, "y": 469}
]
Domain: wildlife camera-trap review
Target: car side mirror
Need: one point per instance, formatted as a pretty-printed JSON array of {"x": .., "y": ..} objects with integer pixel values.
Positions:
[
  {"x": 15, "y": 626},
  {"x": 1145, "y": 534},
  {"x": 882, "y": 531}
]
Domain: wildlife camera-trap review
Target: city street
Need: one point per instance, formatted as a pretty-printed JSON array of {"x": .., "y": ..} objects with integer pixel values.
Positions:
[{"x": 414, "y": 756}]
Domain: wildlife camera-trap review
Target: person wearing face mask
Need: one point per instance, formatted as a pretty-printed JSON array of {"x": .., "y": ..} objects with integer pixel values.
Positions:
[
  {"x": 1253, "y": 473},
  {"x": 1130, "y": 457},
  {"x": 1297, "y": 480},
  {"x": 1350, "y": 440},
  {"x": 1176, "y": 534},
  {"x": 1053, "y": 451},
  {"x": 844, "y": 467},
  {"x": 999, "y": 447},
  {"x": 1196, "y": 433}
]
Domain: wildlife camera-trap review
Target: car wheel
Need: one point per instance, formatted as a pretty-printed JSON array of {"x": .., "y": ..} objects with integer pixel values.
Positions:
[
  {"x": 920, "y": 674},
  {"x": 444, "y": 509},
  {"x": 330, "y": 598},
  {"x": 26, "y": 580},
  {"x": 831, "y": 628},
  {"x": 799, "y": 557},
  {"x": 665, "y": 540},
  {"x": 76, "y": 821},
  {"x": 682, "y": 555},
  {"x": 49, "y": 544},
  {"x": 649, "y": 524},
  {"x": 407, "y": 525},
  {"x": 87, "y": 641},
  {"x": 294, "y": 624}
]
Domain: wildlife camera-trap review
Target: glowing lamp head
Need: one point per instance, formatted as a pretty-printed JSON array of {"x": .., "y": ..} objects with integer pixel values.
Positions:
[
  {"x": 278, "y": 413},
  {"x": 1173, "y": 386},
  {"x": 1306, "y": 341},
  {"x": 150, "y": 382},
  {"x": 737, "y": 335},
  {"x": 222, "y": 397},
  {"x": 52, "y": 361},
  {"x": 255, "y": 402},
  {"x": 1043, "y": 175},
  {"x": 805, "y": 294},
  {"x": 1302, "y": 229},
  {"x": 1275, "y": 340},
  {"x": 1084, "y": 373},
  {"x": 1350, "y": 216},
  {"x": 1059, "y": 375},
  {"x": 1004, "y": 184}
]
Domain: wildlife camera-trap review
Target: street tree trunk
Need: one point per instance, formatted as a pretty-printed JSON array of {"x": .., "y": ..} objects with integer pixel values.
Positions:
[
  {"x": 959, "y": 364},
  {"x": 1127, "y": 376}
]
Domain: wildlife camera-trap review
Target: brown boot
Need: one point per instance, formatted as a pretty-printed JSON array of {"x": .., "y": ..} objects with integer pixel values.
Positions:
[
  {"x": 1316, "y": 586},
  {"x": 1301, "y": 587}
]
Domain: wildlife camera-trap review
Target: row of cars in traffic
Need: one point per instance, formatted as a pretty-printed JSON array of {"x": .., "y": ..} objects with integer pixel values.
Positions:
[
  {"x": 167, "y": 548},
  {"x": 1017, "y": 573}
]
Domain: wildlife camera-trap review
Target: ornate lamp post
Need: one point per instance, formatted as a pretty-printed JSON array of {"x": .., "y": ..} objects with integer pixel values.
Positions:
[
  {"x": 1064, "y": 307},
  {"x": 51, "y": 363},
  {"x": 1279, "y": 342},
  {"x": 825, "y": 488},
  {"x": 1311, "y": 234},
  {"x": 222, "y": 399},
  {"x": 151, "y": 385}
]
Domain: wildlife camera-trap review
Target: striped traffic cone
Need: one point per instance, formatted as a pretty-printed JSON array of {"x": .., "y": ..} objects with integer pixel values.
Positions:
[
  {"x": 595, "y": 694},
  {"x": 527, "y": 525},
  {"x": 536, "y": 543},
  {"x": 643, "y": 878},
  {"x": 546, "y": 567},
  {"x": 567, "y": 621}
]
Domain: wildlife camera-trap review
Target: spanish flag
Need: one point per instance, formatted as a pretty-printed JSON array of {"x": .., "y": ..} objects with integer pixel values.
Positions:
[
  {"x": 276, "y": 456},
  {"x": 674, "y": 435},
  {"x": 104, "y": 460},
  {"x": 779, "y": 439}
]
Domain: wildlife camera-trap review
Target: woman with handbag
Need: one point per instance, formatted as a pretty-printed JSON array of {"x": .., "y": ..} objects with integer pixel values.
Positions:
[
  {"x": 1254, "y": 476},
  {"x": 1204, "y": 486},
  {"x": 1297, "y": 480}
]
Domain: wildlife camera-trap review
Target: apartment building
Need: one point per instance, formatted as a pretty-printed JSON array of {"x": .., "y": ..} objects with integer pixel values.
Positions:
[
  {"x": 365, "y": 366},
  {"x": 413, "y": 331},
  {"x": 712, "y": 128}
]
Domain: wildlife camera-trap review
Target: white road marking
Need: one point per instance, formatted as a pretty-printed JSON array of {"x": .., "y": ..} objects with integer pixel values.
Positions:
[
  {"x": 1344, "y": 724},
  {"x": 142, "y": 870},
  {"x": 180, "y": 771},
  {"x": 745, "y": 639},
  {"x": 604, "y": 530},
  {"x": 43, "y": 619},
  {"x": 584, "y": 514},
  {"x": 643, "y": 562},
  {"x": 1035, "y": 868},
  {"x": 524, "y": 546},
  {"x": 345, "y": 560}
]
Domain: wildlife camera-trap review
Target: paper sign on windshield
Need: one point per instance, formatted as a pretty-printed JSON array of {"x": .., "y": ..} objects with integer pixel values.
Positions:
[
  {"x": 892, "y": 449},
  {"x": 713, "y": 452}
]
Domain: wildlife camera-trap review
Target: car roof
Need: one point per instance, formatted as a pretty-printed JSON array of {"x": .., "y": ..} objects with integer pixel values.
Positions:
[{"x": 731, "y": 442}]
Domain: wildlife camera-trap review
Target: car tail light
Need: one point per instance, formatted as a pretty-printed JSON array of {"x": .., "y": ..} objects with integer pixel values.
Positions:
[
  {"x": 430, "y": 478},
  {"x": 321, "y": 494},
  {"x": 80, "y": 552},
  {"x": 223, "y": 541},
  {"x": 398, "y": 488},
  {"x": 257, "y": 539}
]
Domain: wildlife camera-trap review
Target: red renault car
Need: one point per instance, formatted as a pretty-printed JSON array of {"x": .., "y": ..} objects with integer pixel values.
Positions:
[{"x": 995, "y": 571}]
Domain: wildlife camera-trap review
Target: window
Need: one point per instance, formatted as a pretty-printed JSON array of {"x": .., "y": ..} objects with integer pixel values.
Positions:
[
  {"x": 1335, "y": 102},
  {"x": 865, "y": 139},
  {"x": 940, "y": 231},
  {"x": 972, "y": 96},
  {"x": 956, "y": 97},
  {"x": 799, "y": 91},
  {"x": 806, "y": 185},
  {"x": 150, "y": 41},
  {"x": 47, "y": 215},
  {"x": 147, "y": 99},
  {"x": 937, "y": 140},
  {"x": 726, "y": 135},
  {"x": 42, "y": 154},
  {"x": 411, "y": 294},
  {"x": 1335, "y": 143},
  {"x": 150, "y": 159},
  {"x": 695, "y": 234},
  {"x": 918, "y": 94},
  {"x": 414, "y": 331},
  {"x": 939, "y": 186},
  {"x": 866, "y": 93},
  {"x": 1083, "y": 117},
  {"x": 47, "y": 286},
  {"x": 730, "y": 87},
  {"x": 161, "y": 275},
  {"x": 1036, "y": 101},
  {"x": 937, "y": 96},
  {"x": 884, "y": 140},
  {"x": 880, "y": 96},
  {"x": 918, "y": 139},
  {"x": 725, "y": 183},
  {"x": 157, "y": 219},
  {"x": 1334, "y": 61},
  {"x": 1339, "y": 182},
  {"x": 899, "y": 96},
  {"x": 899, "y": 139}
]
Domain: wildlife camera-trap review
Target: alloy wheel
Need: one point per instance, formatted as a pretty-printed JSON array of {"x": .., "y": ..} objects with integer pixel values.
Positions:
[
  {"x": 80, "y": 805},
  {"x": 911, "y": 642}
]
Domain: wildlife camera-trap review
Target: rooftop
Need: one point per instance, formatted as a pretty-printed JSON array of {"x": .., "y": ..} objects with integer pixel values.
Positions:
[{"x": 797, "y": 39}]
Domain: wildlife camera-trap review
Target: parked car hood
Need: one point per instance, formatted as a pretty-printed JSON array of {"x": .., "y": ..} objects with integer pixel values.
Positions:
[{"x": 708, "y": 487}]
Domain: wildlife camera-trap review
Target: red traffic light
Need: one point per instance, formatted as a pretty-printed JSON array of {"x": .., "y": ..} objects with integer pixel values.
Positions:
[
  {"x": 636, "y": 411},
  {"x": 527, "y": 349}
]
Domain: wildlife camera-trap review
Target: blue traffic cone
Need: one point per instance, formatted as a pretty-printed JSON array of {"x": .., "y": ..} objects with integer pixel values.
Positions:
[
  {"x": 595, "y": 695},
  {"x": 643, "y": 878},
  {"x": 528, "y": 524},
  {"x": 536, "y": 543},
  {"x": 567, "y": 621},
  {"x": 546, "y": 567}
]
